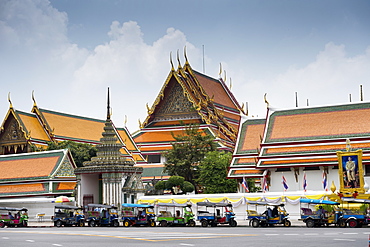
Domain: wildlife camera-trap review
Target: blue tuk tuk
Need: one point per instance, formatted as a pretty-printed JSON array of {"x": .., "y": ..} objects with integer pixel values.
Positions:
[
  {"x": 222, "y": 213},
  {"x": 138, "y": 215},
  {"x": 66, "y": 215},
  {"x": 102, "y": 215},
  {"x": 353, "y": 217},
  {"x": 315, "y": 212},
  {"x": 270, "y": 217}
]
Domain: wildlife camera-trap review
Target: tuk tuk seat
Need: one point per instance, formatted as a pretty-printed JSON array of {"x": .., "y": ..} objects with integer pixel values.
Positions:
[
  {"x": 306, "y": 211},
  {"x": 252, "y": 213}
]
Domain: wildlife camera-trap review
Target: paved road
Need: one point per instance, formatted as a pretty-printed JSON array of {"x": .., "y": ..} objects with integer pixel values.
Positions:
[{"x": 184, "y": 236}]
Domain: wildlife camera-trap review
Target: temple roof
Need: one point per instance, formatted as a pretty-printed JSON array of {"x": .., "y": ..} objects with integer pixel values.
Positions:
[
  {"x": 311, "y": 136},
  {"x": 190, "y": 95},
  {"x": 36, "y": 165},
  {"x": 245, "y": 154}
]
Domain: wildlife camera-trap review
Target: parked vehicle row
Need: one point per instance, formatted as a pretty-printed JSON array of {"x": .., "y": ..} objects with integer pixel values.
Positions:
[{"x": 352, "y": 212}]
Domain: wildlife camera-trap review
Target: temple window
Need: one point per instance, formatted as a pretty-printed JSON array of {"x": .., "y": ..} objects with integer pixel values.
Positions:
[
  {"x": 311, "y": 168},
  {"x": 283, "y": 169},
  {"x": 153, "y": 158}
]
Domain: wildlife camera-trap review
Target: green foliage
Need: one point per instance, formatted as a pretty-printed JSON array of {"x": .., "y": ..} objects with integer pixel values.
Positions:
[
  {"x": 213, "y": 172},
  {"x": 175, "y": 182},
  {"x": 80, "y": 151},
  {"x": 252, "y": 185},
  {"x": 187, "y": 187},
  {"x": 160, "y": 185},
  {"x": 187, "y": 151}
]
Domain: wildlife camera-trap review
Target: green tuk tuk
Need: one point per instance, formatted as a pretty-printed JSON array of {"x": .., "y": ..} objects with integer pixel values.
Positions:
[
  {"x": 13, "y": 217},
  {"x": 172, "y": 214}
]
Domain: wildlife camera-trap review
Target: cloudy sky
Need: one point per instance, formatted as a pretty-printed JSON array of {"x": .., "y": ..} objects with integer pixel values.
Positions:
[{"x": 70, "y": 51}]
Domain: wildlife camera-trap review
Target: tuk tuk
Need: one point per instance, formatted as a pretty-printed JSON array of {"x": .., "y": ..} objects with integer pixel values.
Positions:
[
  {"x": 319, "y": 212},
  {"x": 277, "y": 215},
  {"x": 13, "y": 217},
  {"x": 353, "y": 215},
  {"x": 221, "y": 213},
  {"x": 138, "y": 215},
  {"x": 102, "y": 215},
  {"x": 66, "y": 215},
  {"x": 175, "y": 214}
]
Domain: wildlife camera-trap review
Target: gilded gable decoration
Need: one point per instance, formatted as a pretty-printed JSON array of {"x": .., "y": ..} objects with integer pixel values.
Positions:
[{"x": 65, "y": 169}]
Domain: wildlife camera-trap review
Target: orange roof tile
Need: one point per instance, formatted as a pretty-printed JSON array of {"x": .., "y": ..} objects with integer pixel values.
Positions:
[
  {"x": 333, "y": 123},
  {"x": 27, "y": 168},
  {"x": 18, "y": 188},
  {"x": 33, "y": 126},
  {"x": 253, "y": 136},
  {"x": 74, "y": 127},
  {"x": 66, "y": 186},
  {"x": 214, "y": 88}
]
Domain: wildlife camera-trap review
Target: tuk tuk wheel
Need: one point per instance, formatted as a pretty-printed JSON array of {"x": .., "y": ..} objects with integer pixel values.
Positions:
[
  {"x": 191, "y": 223},
  {"x": 352, "y": 223},
  {"x": 25, "y": 223},
  {"x": 342, "y": 223},
  {"x": 255, "y": 223},
  {"x": 163, "y": 223},
  {"x": 310, "y": 223},
  {"x": 152, "y": 223},
  {"x": 81, "y": 223},
  {"x": 92, "y": 223},
  {"x": 287, "y": 223},
  {"x": 2, "y": 224},
  {"x": 58, "y": 223},
  {"x": 126, "y": 223},
  {"x": 204, "y": 223},
  {"x": 233, "y": 223},
  {"x": 115, "y": 223}
]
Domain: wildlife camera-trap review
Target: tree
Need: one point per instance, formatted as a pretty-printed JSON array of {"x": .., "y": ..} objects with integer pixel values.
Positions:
[
  {"x": 175, "y": 184},
  {"x": 187, "y": 151},
  {"x": 80, "y": 151},
  {"x": 213, "y": 173}
]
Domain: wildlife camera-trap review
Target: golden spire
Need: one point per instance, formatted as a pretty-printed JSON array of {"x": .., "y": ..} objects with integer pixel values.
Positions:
[
  {"x": 172, "y": 68},
  {"x": 265, "y": 98},
  {"x": 125, "y": 122},
  {"x": 186, "y": 57},
  {"x": 219, "y": 73},
  {"x": 231, "y": 85},
  {"x": 178, "y": 60},
  {"x": 33, "y": 98},
  {"x": 10, "y": 102},
  {"x": 225, "y": 76}
]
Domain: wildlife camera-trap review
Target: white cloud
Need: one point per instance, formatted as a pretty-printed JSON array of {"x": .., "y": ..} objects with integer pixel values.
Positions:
[{"x": 327, "y": 80}]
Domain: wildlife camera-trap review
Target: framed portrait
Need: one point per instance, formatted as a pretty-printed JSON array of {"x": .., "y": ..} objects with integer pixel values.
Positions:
[{"x": 351, "y": 175}]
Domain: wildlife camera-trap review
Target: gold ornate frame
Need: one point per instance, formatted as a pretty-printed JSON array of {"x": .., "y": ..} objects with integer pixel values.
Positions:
[{"x": 351, "y": 180}]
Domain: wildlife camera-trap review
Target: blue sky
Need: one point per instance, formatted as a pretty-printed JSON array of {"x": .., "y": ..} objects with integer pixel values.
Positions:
[{"x": 69, "y": 52}]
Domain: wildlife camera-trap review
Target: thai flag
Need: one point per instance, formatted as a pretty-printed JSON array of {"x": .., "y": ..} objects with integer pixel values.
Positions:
[
  {"x": 285, "y": 184},
  {"x": 265, "y": 185},
  {"x": 245, "y": 185},
  {"x": 304, "y": 182},
  {"x": 324, "y": 181}
]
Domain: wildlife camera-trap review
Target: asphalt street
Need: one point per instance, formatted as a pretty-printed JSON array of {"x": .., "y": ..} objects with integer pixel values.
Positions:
[{"x": 184, "y": 236}]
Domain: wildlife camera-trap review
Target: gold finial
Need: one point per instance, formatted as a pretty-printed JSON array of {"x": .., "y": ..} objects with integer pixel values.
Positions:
[
  {"x": 219, "y": 73},
  {"x": 265, "y": 98},
  {"x": 332, "y": 187},
  {"x": 178, "y": 60},
  {"x": 125, "y": 122},
  {"x": 148, "y": 109},
  {"x": 33, "y": 98},
  {"x": 10, "y": 102},
  {"x": 186, "y": 57},
  {"x": 348, "y": 145},
  {"x": 172, "y": 68},
  {"x": 246, "y": 109},
  {"x": 140, "y": 124},
  {"x": 231, "y": 85},
  {"x": 225, "y": 76}
]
